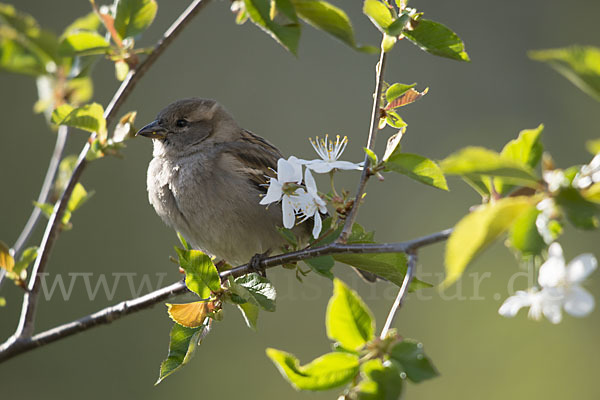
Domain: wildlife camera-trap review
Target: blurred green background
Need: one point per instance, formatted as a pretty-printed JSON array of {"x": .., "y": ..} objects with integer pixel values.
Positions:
[{"x": 327, "y": 89}]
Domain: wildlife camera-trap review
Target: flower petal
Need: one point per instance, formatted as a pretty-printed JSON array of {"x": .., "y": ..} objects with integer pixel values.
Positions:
[
  {"x": 580, "y": 267},
  {"x": 319, "y": 166},
  {"x": 513, "y": 304},
  {"x": 553, "y": 271},
  {"x": 309, "y": 181},
  {"x": 579, "y": 302},
  {"x": 346, "y": 165},
  {"x": 289, "y": 170},
  {"x": 318, "y": 226},
  {"x": 273, "y": 193},
  {"x": 287, "y": 208}
]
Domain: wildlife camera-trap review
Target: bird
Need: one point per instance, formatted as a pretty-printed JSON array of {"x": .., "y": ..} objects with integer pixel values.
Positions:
[{"x": 206, "y": 180}]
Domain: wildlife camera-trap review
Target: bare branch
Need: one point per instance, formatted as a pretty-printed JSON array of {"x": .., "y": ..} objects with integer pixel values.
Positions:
[
  {"x": 15, "y": 345},
  {"x": 370, "y": 144},
  {"x": 26, "y": 322},
  {"x": 410, "y": 271},
  {"x": 61, "y": 139}
]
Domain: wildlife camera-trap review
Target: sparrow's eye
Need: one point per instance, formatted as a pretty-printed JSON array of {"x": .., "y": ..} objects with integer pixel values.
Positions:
[{"x": 181, "y": 123}]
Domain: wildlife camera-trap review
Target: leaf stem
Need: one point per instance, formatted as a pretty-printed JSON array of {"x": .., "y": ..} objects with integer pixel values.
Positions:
[{"x": 410, "y": 270}]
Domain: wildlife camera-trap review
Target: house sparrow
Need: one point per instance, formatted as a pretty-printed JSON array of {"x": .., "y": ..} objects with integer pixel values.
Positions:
[{"x": 206, "y": 180}]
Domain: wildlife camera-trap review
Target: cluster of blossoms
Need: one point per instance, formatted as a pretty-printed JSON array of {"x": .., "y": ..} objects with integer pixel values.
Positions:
[
  {"x": 560, "y": 288},
  {"x": 297, "y": 191}
]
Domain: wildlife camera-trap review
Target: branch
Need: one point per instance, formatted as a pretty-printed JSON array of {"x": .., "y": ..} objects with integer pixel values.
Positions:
[
  {"x": 61, "y": 139},
  {"x": 15, "y": 345},
  {"x": 370, "y": 144},
  {"x": 26, "y": 322},
  {"x": 410, "y": 270}
]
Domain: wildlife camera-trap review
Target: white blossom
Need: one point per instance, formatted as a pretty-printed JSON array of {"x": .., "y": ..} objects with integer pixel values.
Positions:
[
  {"x": 548, "y": 212},
  {"x": 310, "y": 204},
  {"x": 330, "y": 152},
  {"x": 555, "y": 179},
  {"x": 560, "y": 289},
  {"x": 285, "y": 188},
  {"x": 588, "y": 174}
]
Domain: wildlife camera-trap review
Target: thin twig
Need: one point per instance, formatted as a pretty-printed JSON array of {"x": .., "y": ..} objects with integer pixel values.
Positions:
[
  {"x": 374, "y": 127},
  {"x": 26, "y": 321},
  {"x": 59, "y": 146},
  {"x": 15, "y": 346},
  {"x": 410, "y": 271}
]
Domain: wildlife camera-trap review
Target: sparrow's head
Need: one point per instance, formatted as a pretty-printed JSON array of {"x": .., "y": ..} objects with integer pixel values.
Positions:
[{"x": 189, "y": 122}]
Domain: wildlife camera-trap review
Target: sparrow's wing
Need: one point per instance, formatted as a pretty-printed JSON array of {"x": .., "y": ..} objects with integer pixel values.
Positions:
[{"x": 254, "y": 157}]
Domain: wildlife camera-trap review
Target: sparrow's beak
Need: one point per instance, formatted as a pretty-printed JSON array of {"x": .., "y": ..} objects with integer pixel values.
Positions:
[{"x": 153, "y": 131}]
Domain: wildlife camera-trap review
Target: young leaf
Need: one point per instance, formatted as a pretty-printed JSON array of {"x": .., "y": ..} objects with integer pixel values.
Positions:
[
  {"x": 326, "y": 372},
  {"x": 418, "y": 168},
  {"x": 579, "y": 64},
  {"x": 526, "y": 149},
  {"x": 89, "y": 117},
  {"x": 478, "y": 230},
  {"x": 380, "y": 382},
  {"x": 391, "y": 266},
  {"x": 7, "y": 262},
  {"x": 134, "y": 16},
  {"x": 394, "y": 120},
  {"x": 378, "y": 13},
  {"x": 201, "y": 275},
  {"x": 286, "y": 35},
  {"x": 29, "y": 255},
  {"x": 397, "y": 90},
  {"x": 259, "y": 291},
  {"x": 83, "y": 43},
  {"x": 593, "y": 146},
  {"x": 478, "y": 161},
  {"x": 393, "y": 145},
  {"x": 407, "y": 97},
  {"x": 89, "y": 22},
  {"x": 349, "y": 321},
  {"x": 190, "y": 315},
  {"x": 524, "y": 235},
  {"x": 78, "y": 197},
  {"x": 411, "y": 358},
  {"x": 437, "y": 39},
  {"x": 181, "y": 348}
]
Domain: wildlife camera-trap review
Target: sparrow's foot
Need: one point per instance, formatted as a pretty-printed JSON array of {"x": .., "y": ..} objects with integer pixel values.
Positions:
[{"x": 255, "y": 264}]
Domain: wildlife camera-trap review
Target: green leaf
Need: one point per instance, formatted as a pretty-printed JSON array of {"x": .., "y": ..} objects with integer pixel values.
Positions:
[
  {"x": 410, "y": 356},
  {"x": 349, "y": 320},
  {"x": 380, "y": 382},
  {"x": 287, "y": 8},
  {"x": 391, "y": 266},
  {"x": 378, "y": 13},
  {"x": 89, "y": 22},
  {"x": 78, "y": 197},
  {"x": 83, "y": 43},
  {"x": 478, "y": 161},
  {"x": 478, "y": 230},
  {"x": 581, "y": 213},
  {"x": 89, "y": 117},
  {"x": 259, "y": 291},
  {"x": 29, "y": 255},
  {"x": 394, "y": 120},
  {"x": 326, "y": 372},
  {"x": 579, "y": 64},
  {"x": 388, "y": 42},
  {"x": 134, "y": 16},
  {"x": 286, "y": 35},
  {"x": 418, "y": 168},
  {"x": 526, "y": 149},
  {"x": 397, "y": 90},
  {"x": 396, "y": 27},
  {"x": 201, "y": 275},
  {"x": 181, "y": 348},
  {"x": 329, "y": 18},
  {"x": 524, "y": 235},
  {"x": 250, "y": 313},
  {"x": 183, "y": 242},
  {"x": 437, "y": 39},
  {"x": 2, "y": 302},
  {"x": 321, "y": 265}
]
